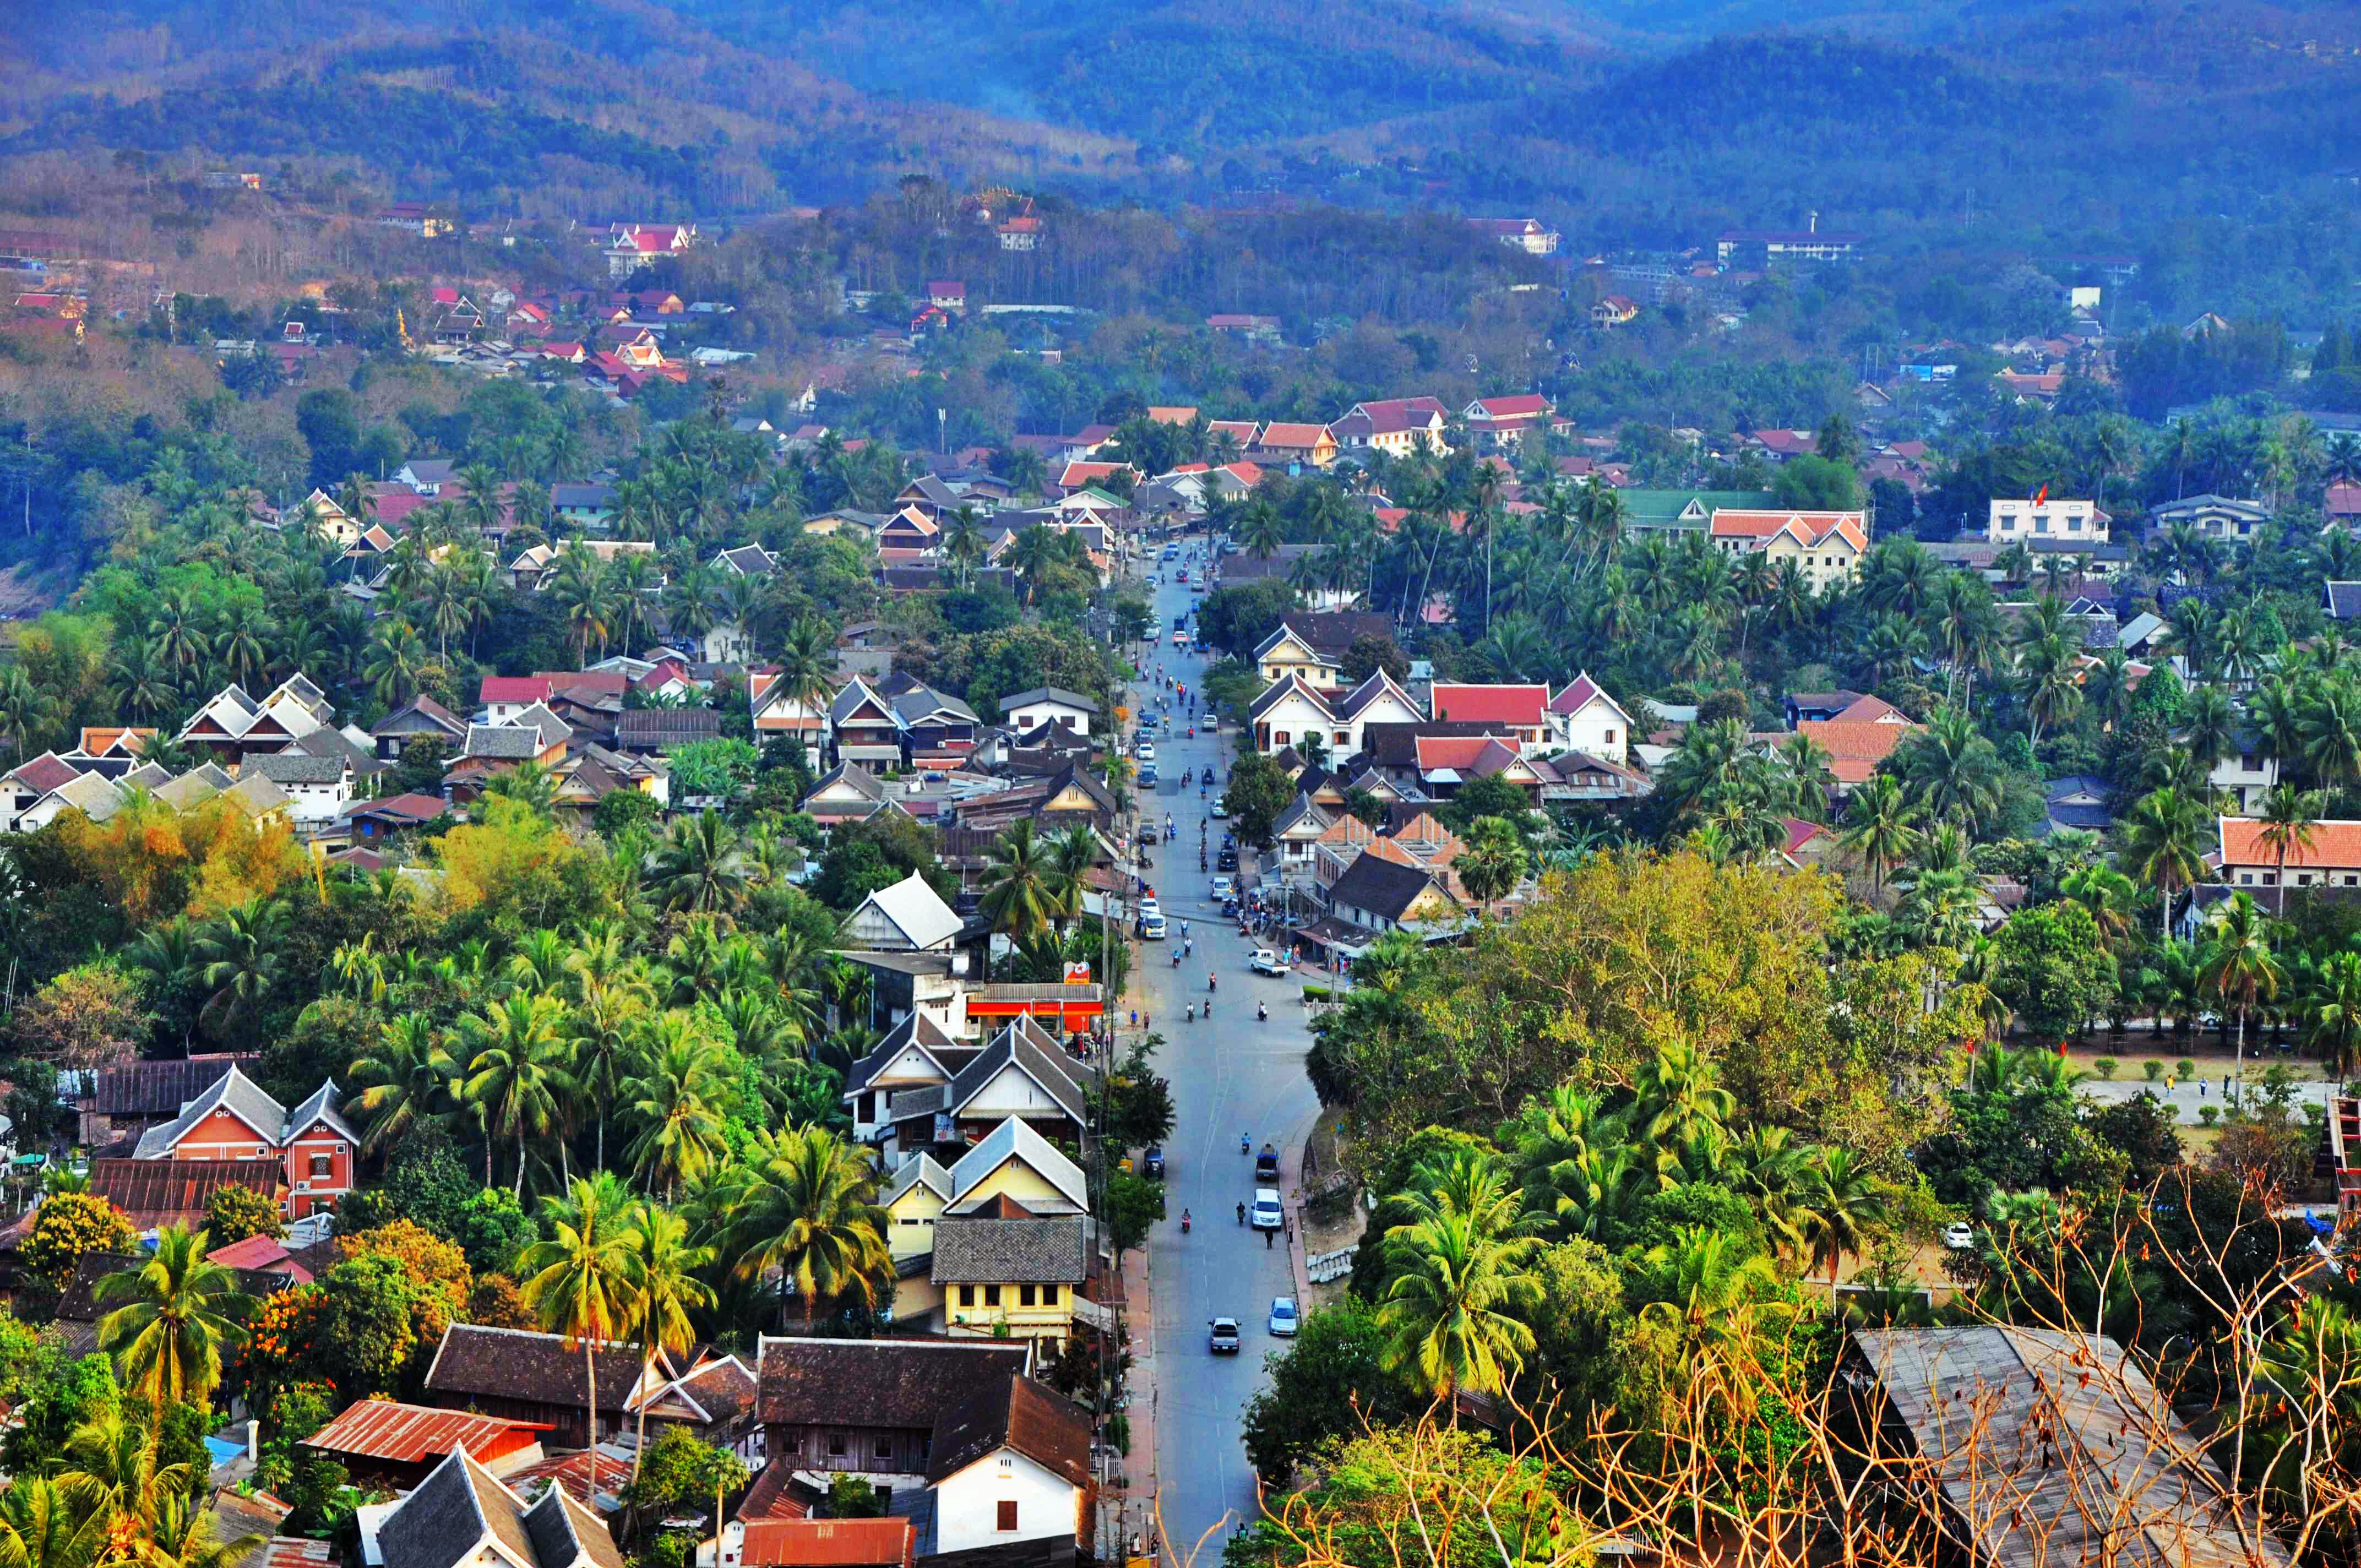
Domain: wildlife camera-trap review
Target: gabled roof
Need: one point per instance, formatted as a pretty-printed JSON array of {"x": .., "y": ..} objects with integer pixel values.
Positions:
[
  {"x": 93, "y": 794},
  {"x": 232, "y": 1092},
  {"x": 406, "y": 1435},
  {"x": 851, "y": 698},
  {"x": 900, "y": 1384},
  {"x": 460, "y": 1508},
  {"x": 926, "y": 703},
  {"x": 1059, "y": 694},
  {"x": 1810, "y": 529},
  {"x": 1014, "y": 1047},
  {"x": 1379, "y": 684},
  {"x": 915, "y": 910},
  {"x": 2334, "y": 844},
  {"x": 503, "y": 742},
  {"x": 1012, "y": 1252},
  {"x": 1016, "y": 1413},
  {"x": 477, "y": 1359},
  {"x": 1384, "y": 887},
  {"x": 422, "y": 713},
  {"x": 44, "y": 773},
  {"x": 301, "y": 768},
  {"x": 1291, "y": 685},
  {"x": 1579, "y": 693},
  {"x": 1015, "y": 1139},
  {"x": 919, "y": 1170},
  {"x": 320, "y": 1108}
]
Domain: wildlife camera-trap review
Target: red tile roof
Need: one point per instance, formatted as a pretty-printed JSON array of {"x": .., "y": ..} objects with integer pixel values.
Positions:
[
  {"x": 1810, "y": 527},
  {"x": 515, "y": 688},
  {"x": 1520, "y": 705},
  {"x": 1303, "y": 435},
  {"x": 2336, "y": 845},
  {"x": 254, "y": 1251},
  {"x": 1524, "y": 405}
]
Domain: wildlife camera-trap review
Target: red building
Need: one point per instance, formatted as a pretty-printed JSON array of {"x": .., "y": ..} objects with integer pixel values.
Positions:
[{"x": 235, "y": 1119}]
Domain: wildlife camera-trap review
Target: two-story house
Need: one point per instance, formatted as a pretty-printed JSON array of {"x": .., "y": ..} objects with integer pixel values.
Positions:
[
  {"x": 1380, "y": 895},
  {"x": 232, "y": 726},
  {"x": 1313, "y": 646},
  {"x": 420, "y": 718},
  {"x": 1521, "y": 712},
  {"x": 1029, "y": 710},
  {"x": 2215, "y": 517},
  {"x": 1015, "y": 1278},
  {"x": 1307, "y": 445},
  {"x": 1293, "y": 712},
  {"x": 1587, "y": 720},
  {"x": 1397, "y": 426},
  {"x": 318, "y": 788},
  {"x": 1825, "y": 546},
  {"x": 862, "y": 729},
  {"x": 2043, "y": 517},
  {"x": 235, "y": 1118},
  {"x": 938, "y": 730},
  {"x": 2248, "y": 859}
]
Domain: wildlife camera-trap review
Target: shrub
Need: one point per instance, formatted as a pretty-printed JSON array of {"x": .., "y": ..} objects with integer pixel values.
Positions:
[
  {"x": 2106, "y": 1065},
  {"x": 2208, "y": 1114},
  {"x": 2153, "y": 1070},
  {"x": 2184, "y": 1069}
]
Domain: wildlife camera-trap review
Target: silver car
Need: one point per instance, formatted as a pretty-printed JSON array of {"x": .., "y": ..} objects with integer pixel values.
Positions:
[{"x": 1282, "y": 1318}]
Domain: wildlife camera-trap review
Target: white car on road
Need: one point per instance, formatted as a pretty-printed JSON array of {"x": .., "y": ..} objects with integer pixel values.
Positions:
[
  {"x": 1225, "y": 887},
  {"x": 1144, "y": 752},
  {"x": 1262, "y": 961},
  {"x": 1264, "y": 1215}
]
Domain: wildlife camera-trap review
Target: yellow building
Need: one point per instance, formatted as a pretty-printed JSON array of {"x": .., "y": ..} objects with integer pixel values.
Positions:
[
  {"x": 1012, "y": 1277},
  {"x": 1825, "y": 546}
]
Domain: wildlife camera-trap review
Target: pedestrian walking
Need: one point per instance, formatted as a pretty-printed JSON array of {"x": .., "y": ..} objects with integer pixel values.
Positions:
[
  {"x": 1242, "y": 1214},
  {"x": 1266, "y": 1239}
]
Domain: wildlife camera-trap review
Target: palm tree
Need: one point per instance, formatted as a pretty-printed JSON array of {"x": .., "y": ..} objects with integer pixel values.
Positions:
[
  {"x": 2333, "y": 1017},
  {"x": 179, "y": 1311},
  {"x": 1493, "y": 860},
  {"x": 1680, "y": 1096},
  {"x": 407, "y": 1081},
  {"x": 805, "y": 1203},
  {"x": 244, "y": 964},
  {"x": 113, "y": 1470},
  {"x": 1953, "y": 770},
  {"x": 2163, "y": 842},
  {"x": 1878, "y": 827},
  {"x": 1845, "y": 1204},
  {"x": 662, "y": 1270},
  {"x": 1708, "y": 1293},
  {"x": 579, "y": 1282},
  {"x": 1020, "y": 883},
  {"x": 681, "y": 1080},
  {"x": 42, "y": 1526},
  {"x": 517, "y": 1073},
  {"x": 2289, "y": 817},
  {"x": 700, "y": 867},
  {"x": 1458, "y": 1275},
  {"x": 2239, "y": 965}
]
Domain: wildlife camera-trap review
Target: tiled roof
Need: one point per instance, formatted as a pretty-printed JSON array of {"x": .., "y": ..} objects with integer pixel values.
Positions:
[
  {"x": 1015, "y": 1412},
  {"x": 232, "y": 1092},
  {"x": 1379, "y": 885},
  {"x": 502, "y": 742},
  {"x": 517, "y": 1364},
  {"x": 45, "y": 772},
  {"x": 1812, "y": 528},
  {"x": 1520, "y": 704},
  {"x": 1855, "y": 740},
  {"x": 829, "y": 1543},
  {"x": 514, "y": 688},
  {"x": 159, "y": 1088},
  {"x": 297, "y": 768},
  {"x": 2336, "y": 845},
  {"x": 907, "y": 1383},
  {"x": 168, "y": 1191},
  {"x": 1018, "y": 1252}
]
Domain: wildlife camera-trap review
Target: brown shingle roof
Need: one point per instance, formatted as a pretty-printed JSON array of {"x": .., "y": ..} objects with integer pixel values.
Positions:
[
  {"x": 1023, "y": 1415},
  {"x": 875, "y": 1382},
  {"x": 159, "y": 1088},
  {"x": 517, "y": 1364},
  {"x": 172, "y": 1191}
]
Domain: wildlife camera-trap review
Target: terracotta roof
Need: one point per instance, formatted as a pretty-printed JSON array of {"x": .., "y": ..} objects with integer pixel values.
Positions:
[
  {"x": 255, "y": 1252},
  {"x": 1852, "y": 740},
  {"x": 587, "y": 1475},
  {"x": 829, "y": 1543},
  {"x": 2334, "y": 844},
  {"x": 1305, "y": 435},
  {"x": 407, "y": 1434},
  {"x": 1811, "y": 528},
  {"x": 1521, "y": 705},
  {"x": 902, "y": 1383},
  {"x": 46, "y": 772},
  {"x": 1522, "y": 405}
]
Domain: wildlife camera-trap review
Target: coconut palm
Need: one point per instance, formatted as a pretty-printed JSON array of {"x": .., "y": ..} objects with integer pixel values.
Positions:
[
  {"x": 244, "y": 963},
  {"x": 578, "y": 1282},
  {"x": 1680, "y": 1094},
  {"x": 42, "y": 1526},
  {"x": 677, "y": 1097},
  {"x": 1709, "y": 1293},
  {"x": 662, "y": 1269},
  {"x": 2289, "y": 817},
  {"x": 2240, "y": 968},
  {"x": 1458, "y": 1276},
  {"x": 1953, "y": 771},
  {"x": 178, "y": 1311},
  {"x": 2332, "y": 1011},
  {"x": 519, "y": 1072},
  {"x": 2163, "y": 838},
  {"x": 1493, "y": 860},
  {"x": 1878, "y": 827},
  {"x": 1844, "y": 1205},
  {"x": 1020, "y": 883},
  {"x": 805, "y": 1202},
  {"x": 700, "y": 867},
  {"x": 407, "y": 1081}
]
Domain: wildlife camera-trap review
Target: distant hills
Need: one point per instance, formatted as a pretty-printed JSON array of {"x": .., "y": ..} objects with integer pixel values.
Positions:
[{"x": 2018, "y": 121}]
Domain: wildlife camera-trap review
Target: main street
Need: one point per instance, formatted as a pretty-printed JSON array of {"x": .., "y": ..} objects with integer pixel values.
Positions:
[{"x": 1230, "y": 1075}]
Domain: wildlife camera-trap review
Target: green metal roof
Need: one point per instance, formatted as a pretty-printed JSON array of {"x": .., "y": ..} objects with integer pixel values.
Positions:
[{"x": 1662, "y": 508}]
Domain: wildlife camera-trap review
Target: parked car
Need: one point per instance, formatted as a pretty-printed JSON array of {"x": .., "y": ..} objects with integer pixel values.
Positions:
[
  {"x": 1221, "y": 808},
  {"x": 1262, "y": 961},
  {"x": 1155, "y": 1162},
  {"x": 1228, "y": 861},
  {"x": 1265, "y": 1214},
  {"x": 1145, "y": 751},
  {"x": 1148, "y": 833},
  {"x": 1959, "y": 1237},
  {"x": 1223, "y": 887},
  {"x": 1151, "y": 927},
  {"x": 1266, "y": 1164},
  {"x": 1282, "y": 1317},
  {"x": 1222, "y": 1340}
]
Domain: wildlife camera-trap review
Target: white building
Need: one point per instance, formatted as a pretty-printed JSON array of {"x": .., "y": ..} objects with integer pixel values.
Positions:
[{"x": 2047, "y": 518}]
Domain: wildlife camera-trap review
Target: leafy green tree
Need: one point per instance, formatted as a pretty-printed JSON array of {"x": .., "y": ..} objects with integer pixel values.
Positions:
[
  {"x": 1134, "y": 1204},
  {"x": 233, "y": 1213},
  {"x": 1460, "y": 1284},
  {"x": 2053, "y": 971},
  {"x": 1331, "y": 1379},
  {"x": 1257, "y": 791}
]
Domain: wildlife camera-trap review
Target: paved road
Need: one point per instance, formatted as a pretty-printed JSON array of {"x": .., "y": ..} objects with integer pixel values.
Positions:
[{"x": 1229, "y": 1075}]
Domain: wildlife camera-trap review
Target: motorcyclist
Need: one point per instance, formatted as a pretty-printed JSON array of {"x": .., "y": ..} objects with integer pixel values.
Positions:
[
  {"x": 1245, "y": 1145},
  {"x": 1185, "y": 1222},
  {"x": 1192, "y": 1012}
]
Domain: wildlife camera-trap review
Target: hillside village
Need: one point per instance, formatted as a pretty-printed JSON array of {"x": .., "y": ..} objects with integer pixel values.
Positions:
[{"x": 623, "y": 989}]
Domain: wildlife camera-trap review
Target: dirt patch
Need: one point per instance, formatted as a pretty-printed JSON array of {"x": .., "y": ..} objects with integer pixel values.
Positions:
[
  {"x": 1320, "y": 1166},
  {"x": 25, "y": 596}
]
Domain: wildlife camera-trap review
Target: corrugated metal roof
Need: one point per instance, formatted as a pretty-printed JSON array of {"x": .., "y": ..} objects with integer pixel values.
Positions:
[{"x": 407, "y": 1434}]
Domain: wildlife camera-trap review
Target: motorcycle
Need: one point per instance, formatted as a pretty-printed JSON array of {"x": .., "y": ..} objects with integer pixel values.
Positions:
[{"x": 1185, "y": 1222}]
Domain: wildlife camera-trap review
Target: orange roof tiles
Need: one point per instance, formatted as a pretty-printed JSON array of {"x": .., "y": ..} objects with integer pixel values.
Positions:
[
  {"x": 829, "y": 1544},
  {"x": 1809, "y": 528},
  {"x": 2334, "y": 844}
]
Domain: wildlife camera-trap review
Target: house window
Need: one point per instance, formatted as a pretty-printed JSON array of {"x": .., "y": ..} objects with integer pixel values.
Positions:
[
  {"x": 967, "y": 1295},
  {"x": 322, "y": 1165},
  {"x": 836, "y": 1445},
  {"x": 1007, "y": 1523},
  {"x": 1049, "y": 1292},
  {"x": 795, "y": 1443},
  {"x": 884, "y": 1448},
  {"x": 1025, "y": 1295},
  {"x": 992, "y": 1295}
]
